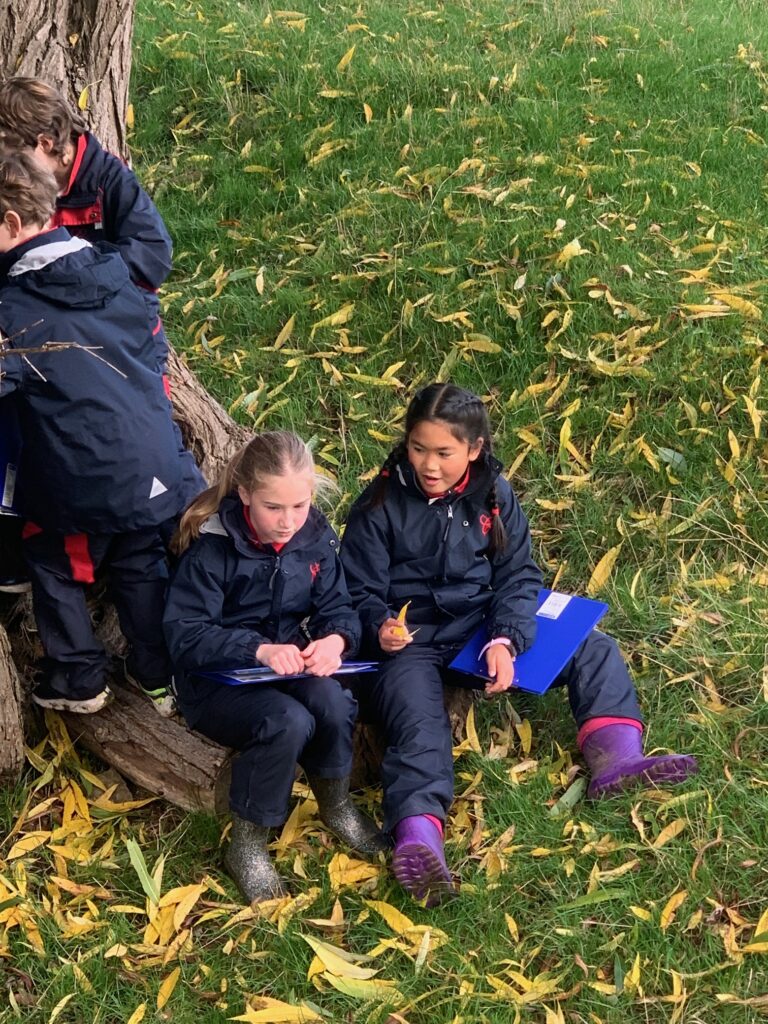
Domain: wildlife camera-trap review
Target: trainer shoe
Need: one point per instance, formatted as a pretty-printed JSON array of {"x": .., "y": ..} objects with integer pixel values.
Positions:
[
  {"x": 46, "y": 697},
  {"x": 14, "y": 585},
  {"x": 158, "y": 691}
]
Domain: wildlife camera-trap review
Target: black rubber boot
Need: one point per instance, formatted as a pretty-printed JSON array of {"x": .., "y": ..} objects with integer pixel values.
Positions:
[
  {"x": 347, "y": 822},
  {"x": 249, "y": 863}
]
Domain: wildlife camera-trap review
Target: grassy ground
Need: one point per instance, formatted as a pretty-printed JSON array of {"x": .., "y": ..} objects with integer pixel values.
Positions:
[{"x": 562, "y": 207}]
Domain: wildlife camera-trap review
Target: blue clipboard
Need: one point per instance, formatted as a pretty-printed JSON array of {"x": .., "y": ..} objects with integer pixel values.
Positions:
[
  {"x": 563, "y": 621},
  {"x": 264, "y": 674}
]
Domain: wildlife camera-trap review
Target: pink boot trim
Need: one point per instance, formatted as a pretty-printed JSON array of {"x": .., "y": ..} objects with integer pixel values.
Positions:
[{"x": 600, "y": 723}]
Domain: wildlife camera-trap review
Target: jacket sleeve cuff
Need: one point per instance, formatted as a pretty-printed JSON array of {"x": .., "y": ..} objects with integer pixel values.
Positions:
[{"x": 519, "y": 641}]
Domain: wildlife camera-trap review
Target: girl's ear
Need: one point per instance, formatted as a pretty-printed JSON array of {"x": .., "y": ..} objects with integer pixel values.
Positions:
[
  {"x": 243, "y": 495},
  {"x": 476, "y": 448}
]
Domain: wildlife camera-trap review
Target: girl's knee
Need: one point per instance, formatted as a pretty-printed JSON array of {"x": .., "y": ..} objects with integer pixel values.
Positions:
[{"x": 288, "y": 729}]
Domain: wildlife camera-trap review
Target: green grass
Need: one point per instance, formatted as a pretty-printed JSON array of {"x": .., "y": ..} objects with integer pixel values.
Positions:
[{"x": 497, "y": 134}]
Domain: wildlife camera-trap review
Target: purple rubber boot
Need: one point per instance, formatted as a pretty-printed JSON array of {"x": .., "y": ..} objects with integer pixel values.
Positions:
[
  {"x": 614, "y": 756},
  {"x": 418, "y": 862}
]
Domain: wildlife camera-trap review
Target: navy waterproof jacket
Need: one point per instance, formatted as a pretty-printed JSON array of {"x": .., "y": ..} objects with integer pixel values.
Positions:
[
  {"x": 100, "y": 453},
  {"x": 105, "y": 202},
  {"x": 435, "y": 554},
  {"x": 229, "y": 595}
]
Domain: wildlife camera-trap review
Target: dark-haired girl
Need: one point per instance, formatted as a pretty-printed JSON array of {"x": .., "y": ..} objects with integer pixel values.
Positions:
[{"x": 441, "y": 528}]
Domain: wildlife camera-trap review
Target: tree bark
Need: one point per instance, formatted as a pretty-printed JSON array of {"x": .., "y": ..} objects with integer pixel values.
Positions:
[
  {"x": 77, "y": 45},
  {"x": 159, "y": 754},
  {"x": 11, "y": 723}
]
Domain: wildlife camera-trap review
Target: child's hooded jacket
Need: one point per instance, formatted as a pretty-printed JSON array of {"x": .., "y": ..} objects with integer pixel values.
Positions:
[
  {"x": 231, "y": 594},
  {"x": 100, "y": 454},
  {"x": 435, "y": 553},
  {"x": 104, "y": 201}
]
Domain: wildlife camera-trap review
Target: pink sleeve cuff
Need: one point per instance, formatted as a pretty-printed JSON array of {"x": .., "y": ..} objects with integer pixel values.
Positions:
[{"x": 493, "y": 643}]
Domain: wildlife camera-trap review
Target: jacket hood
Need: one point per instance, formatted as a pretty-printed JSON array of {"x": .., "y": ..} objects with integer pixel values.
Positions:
[
  {"x": 87, "y": 279},
  {"x": 232, "y": 522}
]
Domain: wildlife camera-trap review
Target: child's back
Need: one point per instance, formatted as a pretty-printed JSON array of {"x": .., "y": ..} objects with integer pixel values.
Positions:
[{"x": 100, "y": 453}]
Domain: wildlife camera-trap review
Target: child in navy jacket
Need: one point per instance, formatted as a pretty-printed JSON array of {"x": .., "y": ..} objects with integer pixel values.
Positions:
[
  {"x": 260, "y": 582},
  {"x": 99, "y": 199},
  {"x": 99, "y": 474},
  {"x": 442, "y": 529}
]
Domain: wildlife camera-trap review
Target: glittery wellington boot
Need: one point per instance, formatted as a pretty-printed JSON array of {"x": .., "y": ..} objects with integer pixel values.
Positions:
[
  {"x": 347, "y": 822},
  {"x": 614, "y": 756},
  {"x": 418, "y": 862},
  {"x": 248, "y": 863}
]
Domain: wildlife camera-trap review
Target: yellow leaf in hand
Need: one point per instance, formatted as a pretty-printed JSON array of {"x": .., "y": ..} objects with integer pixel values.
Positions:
[{"x": 401, "y": 629}]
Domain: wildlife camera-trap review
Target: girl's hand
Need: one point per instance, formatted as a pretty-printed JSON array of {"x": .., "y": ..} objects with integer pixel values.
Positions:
[
  {"x": 323, "y": 657},
  {"x": 392, "y": 636},
  {"x": 283, "y": 659},
  {"x": 501, "y": 667}
]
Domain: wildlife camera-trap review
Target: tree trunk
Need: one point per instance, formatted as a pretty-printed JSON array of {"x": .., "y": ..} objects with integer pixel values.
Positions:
[
  {"x": 81, "y": 46},
  {"x": 11, "y": 724}
]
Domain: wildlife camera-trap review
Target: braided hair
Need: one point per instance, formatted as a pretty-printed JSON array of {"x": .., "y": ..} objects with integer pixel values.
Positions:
[{"x": 467, "y": 418}]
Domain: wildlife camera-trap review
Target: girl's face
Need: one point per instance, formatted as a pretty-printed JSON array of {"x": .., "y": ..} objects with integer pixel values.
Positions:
[
  {"x": 439, "y": 459},
  {"x": 279, "y": 508}
]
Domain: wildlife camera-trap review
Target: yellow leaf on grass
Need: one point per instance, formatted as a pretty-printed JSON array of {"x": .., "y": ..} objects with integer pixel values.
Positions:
[
  {"x": 360, "y": 989},
  {"x": 59, "y": 1007},
  {"x": 346, "y": 59},
  {"x": 285, "y": 332},
  {"x": 29, "y": 842},
  {"x": 273, "y": 1011},
  {"x": 669, "y": 911},
  {"x": 642, "y": 913},
  {"x": 165, "y": 991},
  {"x": 748, "y": 309},
  {"x": 345, "y": 870},
  {"x": 514, "y": 931},
  {"x": 603, "y": 570},
  {"x": 523, "y": 730},
  {"x": 474, "y": 742},
  {"x": 761, "y": 934},
  {"x": 397, "y": 922},
  {"x": 339, "y": 962},
  {"x": 674, "y": 828},
  {"x": 368, "y": 113},
  {"x": 138, "y": 1014},
  {"x": 479, "y": 343},
  {"x": 341, "y": 316},
  {"x": 568, "y": 252}
]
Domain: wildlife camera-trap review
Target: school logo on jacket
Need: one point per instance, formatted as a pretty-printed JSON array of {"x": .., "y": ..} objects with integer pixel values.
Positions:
[
  {"x": 314, "y": 569},
  {"x": 486, "y": 523}
]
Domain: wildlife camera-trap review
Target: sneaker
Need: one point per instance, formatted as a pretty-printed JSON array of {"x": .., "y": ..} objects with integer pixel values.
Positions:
[
  {"x": 158, "y": 691},
  {"x": 13, "y": 585},
  {"x": 163, "y": 699},
  {"x": 46, "y": 697}
]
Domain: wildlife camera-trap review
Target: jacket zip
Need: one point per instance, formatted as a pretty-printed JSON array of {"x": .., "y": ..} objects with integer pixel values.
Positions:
[
  {"x": 275, "y": 585},
  {"x": 446, "y": 531}
]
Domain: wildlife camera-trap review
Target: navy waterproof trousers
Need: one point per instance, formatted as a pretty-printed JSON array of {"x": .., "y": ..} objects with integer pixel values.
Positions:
[
  {"x": 406, "y": 701},
  {"x": 60, "y": 567},
  {"x": 273, "y": 727}
]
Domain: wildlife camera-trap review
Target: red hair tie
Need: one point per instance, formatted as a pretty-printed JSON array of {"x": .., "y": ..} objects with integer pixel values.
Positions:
[
  {"x": 384, "y": 472},
  {"x": 495, "y": 510}
]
